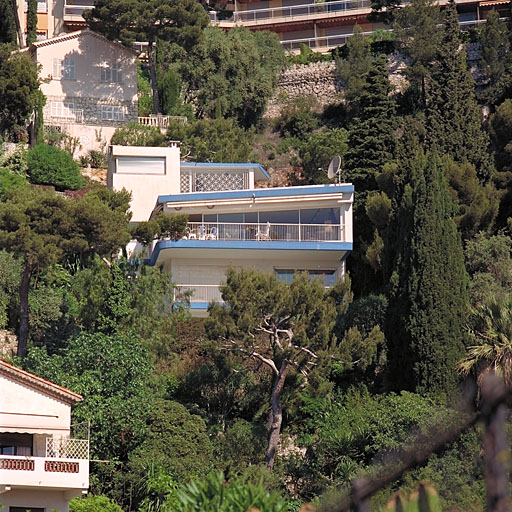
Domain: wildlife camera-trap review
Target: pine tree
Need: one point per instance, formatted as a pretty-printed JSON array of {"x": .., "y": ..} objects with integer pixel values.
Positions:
[
  {"x": 453, "y": 118},
  {"x": 429, "y": 302}
]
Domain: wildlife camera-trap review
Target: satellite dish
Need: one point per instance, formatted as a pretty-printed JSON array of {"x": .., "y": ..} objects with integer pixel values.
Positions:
[{"x": 334, "y": 167}]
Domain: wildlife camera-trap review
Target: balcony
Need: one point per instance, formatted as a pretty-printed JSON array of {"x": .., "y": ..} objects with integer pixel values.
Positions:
[
  {"x": 65, "y": 466},
  {"x": 294, "y": 12},
  {"x": 265, "y": 232},
  {"x": 73, "y": 9},
  {"x": 160, "y": 121},
  {"x": 198, "y": 293}
]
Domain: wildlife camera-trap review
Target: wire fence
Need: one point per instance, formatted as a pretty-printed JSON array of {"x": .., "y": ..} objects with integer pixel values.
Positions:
[{"x": 492, "y": 413}]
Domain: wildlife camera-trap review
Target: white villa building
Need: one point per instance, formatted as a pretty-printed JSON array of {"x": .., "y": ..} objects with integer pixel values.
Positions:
[
  {"x": 233, "y": 223},
  {"x": 41, "y": 467}
]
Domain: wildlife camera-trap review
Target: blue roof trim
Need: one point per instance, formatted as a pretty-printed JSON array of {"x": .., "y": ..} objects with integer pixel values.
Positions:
[
  {"x": 257, "y": 192},
  {"x": 242, "y": 165},
  {"x": 246, "y": 244}
]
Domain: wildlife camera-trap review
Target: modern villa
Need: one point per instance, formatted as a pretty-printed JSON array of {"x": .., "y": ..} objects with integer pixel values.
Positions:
[
  {"x": 41, "y": 466},
  {"x": 232, "y": 221}
]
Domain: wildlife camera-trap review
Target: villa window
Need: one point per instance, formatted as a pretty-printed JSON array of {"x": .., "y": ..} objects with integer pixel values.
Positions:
[
  {"x": 16, "y": 444},
  {"x": 112, "y": 73},
  {"x": 64, "y": 69},
  {"x": 25, "y": 509},
  {"x": 62, "y": 109},
  {"x": 112, "y": 113}
]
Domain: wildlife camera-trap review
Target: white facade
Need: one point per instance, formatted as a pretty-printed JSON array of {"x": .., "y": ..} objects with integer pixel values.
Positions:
[
  {"x": 41, "y": 467},
  {"x": 90, "y": 84},
  {"x": 233, "y": 224}
]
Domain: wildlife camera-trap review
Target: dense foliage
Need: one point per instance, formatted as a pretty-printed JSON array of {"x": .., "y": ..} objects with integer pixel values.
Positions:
[{"x": 318, "y": 386}]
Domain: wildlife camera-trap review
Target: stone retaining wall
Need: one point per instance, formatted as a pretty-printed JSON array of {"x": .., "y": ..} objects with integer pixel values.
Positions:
[{"x": 8, "y": 344}]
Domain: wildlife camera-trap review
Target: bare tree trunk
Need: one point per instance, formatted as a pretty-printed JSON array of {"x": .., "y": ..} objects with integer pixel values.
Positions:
[
  {"x": 19, "y": 32},
  {"x": 156, "y": 100},
  {"x": 23, "y": 329},
  {"x": 276, "y": 415}
]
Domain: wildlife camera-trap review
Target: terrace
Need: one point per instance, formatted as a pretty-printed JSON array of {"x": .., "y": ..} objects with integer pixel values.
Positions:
[{"x": 65, "y": 464}]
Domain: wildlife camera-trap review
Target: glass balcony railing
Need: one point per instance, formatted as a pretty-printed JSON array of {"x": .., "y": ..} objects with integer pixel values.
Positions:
[{"x": 265, "y": 232}]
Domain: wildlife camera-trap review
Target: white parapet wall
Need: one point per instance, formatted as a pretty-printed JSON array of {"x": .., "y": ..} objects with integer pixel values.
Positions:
[{"x": 146, "y": 172}]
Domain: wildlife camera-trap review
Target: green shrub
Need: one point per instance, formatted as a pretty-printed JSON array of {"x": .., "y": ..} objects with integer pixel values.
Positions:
[
  {"x": 48, "y": 165},
  {"x": 97, "y": 159},
  {"x": 134, "y": 134},
  {"x": 93, "y": 504}
]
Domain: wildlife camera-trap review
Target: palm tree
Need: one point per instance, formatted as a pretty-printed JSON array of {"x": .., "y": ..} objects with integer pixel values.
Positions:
[{"x": 492, "y": 338}]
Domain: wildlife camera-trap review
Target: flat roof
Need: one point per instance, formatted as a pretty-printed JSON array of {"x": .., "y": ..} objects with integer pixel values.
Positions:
[{"x": 258, "y": 192}]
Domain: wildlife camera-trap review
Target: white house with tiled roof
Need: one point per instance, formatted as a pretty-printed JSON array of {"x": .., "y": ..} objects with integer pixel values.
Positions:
[
  {"x": 90, "y": 84},
  {"x": 41, "y": 466}
]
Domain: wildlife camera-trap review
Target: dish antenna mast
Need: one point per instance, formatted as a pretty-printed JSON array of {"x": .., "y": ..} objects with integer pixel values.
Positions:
[{"x": 335, "y": 168}]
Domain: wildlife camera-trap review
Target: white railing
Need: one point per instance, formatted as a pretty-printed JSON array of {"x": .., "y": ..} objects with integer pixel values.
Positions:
[
  {"x": 161, "y": 122},
  {"x": 198, "y": 292},
  {"x": 264, "y": 231},
  {"x": 321, "y": 8},
  {"x": 66, "y": 448},
  {"x": 76, "y": 9}
]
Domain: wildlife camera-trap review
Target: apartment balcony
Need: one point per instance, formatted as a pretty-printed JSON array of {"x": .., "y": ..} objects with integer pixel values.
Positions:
[
  {"x": 64, "y": 466},
  {"x": 73, "y": 10},
  {"x": 259, "y": 232},
  {"x": 198, "y": 294},
  {"x": 305, "y": 12}
]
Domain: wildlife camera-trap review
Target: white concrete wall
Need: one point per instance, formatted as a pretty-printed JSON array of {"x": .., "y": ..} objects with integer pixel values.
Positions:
[
  {"x": 49, "y": 499},
  {"x": 26, "y": 410},
  {"x": 145, "y": 187}
]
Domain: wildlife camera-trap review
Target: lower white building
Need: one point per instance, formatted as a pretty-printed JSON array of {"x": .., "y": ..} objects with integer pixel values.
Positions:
[
  {"x": 41, "y": 467},
  {"x": 232, "y": 222}
]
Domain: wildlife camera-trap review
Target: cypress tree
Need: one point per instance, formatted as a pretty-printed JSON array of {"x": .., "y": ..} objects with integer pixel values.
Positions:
[
  {"x": 371, "y": 138},
  {"x": 453, "y": 118},
  {"x": 371, "y": 145},
  {"x": 31, "y": 22},
  {"x": 428, "y": 305},
  {"x": 7, "y": 26}
]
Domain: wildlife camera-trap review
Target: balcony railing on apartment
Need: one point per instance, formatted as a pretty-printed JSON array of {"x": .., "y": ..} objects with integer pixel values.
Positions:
[
  {"x": 265, "y": 232},
  {"x": 161, "y": 122},
  {"x": 77, "y": 7},
  {"x": 337, "y": 7},
  {"x": 198, "y": 292}
]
